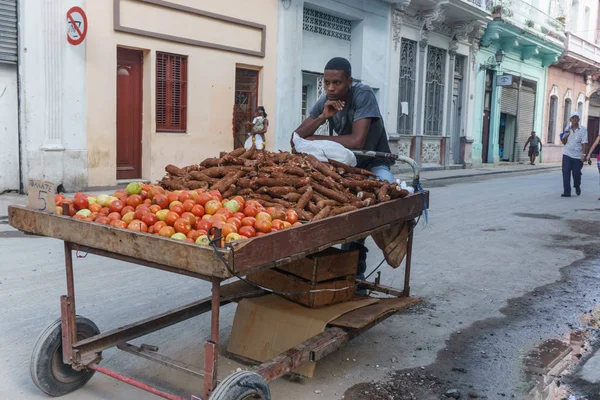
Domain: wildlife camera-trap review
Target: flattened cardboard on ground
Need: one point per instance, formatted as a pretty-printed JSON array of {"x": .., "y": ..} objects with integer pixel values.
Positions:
[
  {"x": 360, "y": 318},
  {"x": 265, "y": 327}
]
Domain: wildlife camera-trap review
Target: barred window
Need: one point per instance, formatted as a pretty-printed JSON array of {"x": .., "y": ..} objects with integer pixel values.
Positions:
[
  {"x": 171, "y": 92},
  {"x": 434, "y": 86},
  {"x": 406, "y": 92},
  {"x": 327, "y": 24},
  {"x": 552, "y": 119}
]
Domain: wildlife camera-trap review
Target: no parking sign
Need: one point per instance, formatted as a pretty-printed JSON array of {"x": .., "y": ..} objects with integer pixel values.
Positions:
[{"x": 77, "y": 25}]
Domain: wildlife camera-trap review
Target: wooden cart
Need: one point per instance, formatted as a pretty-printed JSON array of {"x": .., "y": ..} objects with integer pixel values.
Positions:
[{"x": 69, "y": 351}]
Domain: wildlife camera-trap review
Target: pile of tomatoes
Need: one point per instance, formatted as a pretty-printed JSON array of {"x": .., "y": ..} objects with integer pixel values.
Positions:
[{"x": 181, "y": 215}]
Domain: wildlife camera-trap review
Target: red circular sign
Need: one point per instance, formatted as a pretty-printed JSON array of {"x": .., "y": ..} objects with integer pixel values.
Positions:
[{"x": 77, "y": 25}]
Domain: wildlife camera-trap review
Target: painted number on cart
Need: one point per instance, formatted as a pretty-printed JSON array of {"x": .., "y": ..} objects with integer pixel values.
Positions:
[{"x": 41, "y": 195}]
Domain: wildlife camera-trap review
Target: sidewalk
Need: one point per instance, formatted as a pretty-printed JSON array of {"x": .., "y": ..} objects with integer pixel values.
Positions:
[
  {"x": 432, "y": 176},
  {"x": 426, "y": 176}
]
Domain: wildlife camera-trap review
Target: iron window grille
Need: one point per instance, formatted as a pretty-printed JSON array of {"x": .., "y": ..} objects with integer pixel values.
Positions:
[
  {"x": 327, "y": 24},
  {"x": 552, "y": 119},
  {"x": 434, "y": 86},
  {"x": 406, "y": 92},
  {"x": 171, "y": 92},
  {"x": 567, "y": 113}
]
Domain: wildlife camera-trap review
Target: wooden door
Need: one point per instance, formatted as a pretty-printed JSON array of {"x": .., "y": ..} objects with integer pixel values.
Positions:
[
  {"x": 245, "y": 103},
  {"x": 485, "y": 137},
  {"x": 129, "y": 114}
]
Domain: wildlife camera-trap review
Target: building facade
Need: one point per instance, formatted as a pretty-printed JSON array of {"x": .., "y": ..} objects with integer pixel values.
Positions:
[
  {"x": 432, "y": 79},
  {"x": 573, "y": 81},
  {"x": 510, "y": 96},
  {"x": 9, "y": 114},
  {"x": 153, "y": 83}
]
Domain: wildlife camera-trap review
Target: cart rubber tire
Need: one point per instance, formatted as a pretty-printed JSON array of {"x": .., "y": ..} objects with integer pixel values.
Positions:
[
  {"x": 47, "y": 369},
  {"x": 242, "y": 385}
]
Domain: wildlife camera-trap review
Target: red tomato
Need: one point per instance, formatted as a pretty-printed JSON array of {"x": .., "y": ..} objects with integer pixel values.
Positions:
[
  {"x": 225, "y": 212},
  {"x": 138, "y": 226},
  {"x": 80, "y": 203},
  {"x": 177, "y": 208},
  {"x": 228, "y": 228},
  {"x": 103, "y": 220},
  {"x": 140, "y": 212},
  {"x": 149, "y": 219},
  {"x": 193, "y": 234},
  {"x": 127, "y": 209},
  {"x": 116, "y": 206},
  {"x": 203, "y": 225},
  {"x": 182, "y": 225},
  {"x": 234, "y": 221},
  {"x": 119, "y": 224},
  {"x": 171, "y": 218},
  {"x": 183, "y": 196},
  {"x": 188, "y": 205},
  {"x": 216, "y": 194},
  {"x": 198, "y": 211},
  {"x": 263, "y": 225},
  {"x": 190, "y": 217},
  {"x": 154, "y": 208},
  {"x": 105, "y": 211},
  {"x": 247, "y": 231},
  {"x": 157, "y": 226},
  {"x": 250, "y": 211},
  {"x": 171, "y": 197},
  {"x": 203, "y": 198},
  {"x": 134, "y": 200},
  {"x": 95, "y": 208},
  {"x": 154, "y": 191},
  {"x": 161, "y": 200},
  {"x": 114, "y": 216},
  {"x": 166, "y": 231},
  {"x": 248, "y": 221},
  {"x": 212, "y": 206},
  {"x": 239, "y": 215},
  {"x": 277, "y": 224},
  {"x": 291, "y": 216}
]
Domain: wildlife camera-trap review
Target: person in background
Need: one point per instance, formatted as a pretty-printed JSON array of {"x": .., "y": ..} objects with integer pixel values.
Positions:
[
  {"x": 353, "y": 113},
  {"x": 589, "y": 154},
  {"x": 575, "y": 140},
  {"x": 535, "y": 146},
  {"x": 259, "y": 126}
]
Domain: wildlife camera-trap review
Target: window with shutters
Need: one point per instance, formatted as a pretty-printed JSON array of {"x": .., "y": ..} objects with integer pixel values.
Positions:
[
  {"x": 8, "y": 31},
  {"x": 552, "y": 119},
  {"x": 171, "y": 93}
]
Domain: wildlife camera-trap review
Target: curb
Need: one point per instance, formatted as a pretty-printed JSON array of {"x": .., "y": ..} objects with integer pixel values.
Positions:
[{"x": 441, "y": 178}]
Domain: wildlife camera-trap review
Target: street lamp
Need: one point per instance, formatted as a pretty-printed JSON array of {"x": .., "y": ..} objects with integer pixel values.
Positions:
[{"x": 499, "y": 56}]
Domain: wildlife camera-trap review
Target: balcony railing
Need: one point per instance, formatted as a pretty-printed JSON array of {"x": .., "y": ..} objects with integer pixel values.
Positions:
[
  {"x": 525, "y": 16},
  {"x": 486, "y": 5},
  {"x": 583, "y": 48}
]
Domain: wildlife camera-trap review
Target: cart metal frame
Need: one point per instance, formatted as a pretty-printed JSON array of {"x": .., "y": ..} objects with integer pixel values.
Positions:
[{"x": 243, "y": 259}]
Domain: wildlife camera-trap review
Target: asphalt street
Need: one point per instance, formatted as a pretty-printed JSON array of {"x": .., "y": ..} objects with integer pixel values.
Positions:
[{"x": 489, "y": 245}]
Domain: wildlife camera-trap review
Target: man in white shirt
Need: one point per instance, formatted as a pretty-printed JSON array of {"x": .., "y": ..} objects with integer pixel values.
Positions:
[{"x": 575, "y": 141}]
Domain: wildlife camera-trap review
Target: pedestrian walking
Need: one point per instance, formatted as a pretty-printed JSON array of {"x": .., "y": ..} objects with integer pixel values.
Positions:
[
  {"x": 535, "y": 146},
  {"x": 259, "y": 126},
  {"x": 575, "y": 139},
  {"x": 590, "y": 151}
]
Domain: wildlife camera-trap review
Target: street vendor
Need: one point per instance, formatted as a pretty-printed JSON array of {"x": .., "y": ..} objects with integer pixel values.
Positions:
[{"x": 353, "y": 114}]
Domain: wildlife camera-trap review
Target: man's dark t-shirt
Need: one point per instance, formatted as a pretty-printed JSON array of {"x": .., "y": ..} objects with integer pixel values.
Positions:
[{"x": 361, "y": 104}]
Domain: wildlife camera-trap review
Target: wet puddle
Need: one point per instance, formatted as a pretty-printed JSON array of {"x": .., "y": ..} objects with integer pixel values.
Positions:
[{"x": 550, "y": 363}]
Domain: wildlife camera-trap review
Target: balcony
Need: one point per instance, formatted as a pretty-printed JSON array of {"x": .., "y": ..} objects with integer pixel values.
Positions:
[
  {"x": 530, "y": 19},
  {"x": 581, "y": 47},
  {"x": 485, "y": 5}
]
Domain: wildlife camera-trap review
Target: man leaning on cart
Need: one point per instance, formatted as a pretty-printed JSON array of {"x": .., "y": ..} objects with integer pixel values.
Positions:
[{"x": 353, "y": 114}]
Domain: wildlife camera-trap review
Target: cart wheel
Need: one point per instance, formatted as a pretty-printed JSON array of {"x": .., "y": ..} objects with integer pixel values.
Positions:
[
  {"x": 47, "y": 369},
  {"x": 243, "y": 385}
]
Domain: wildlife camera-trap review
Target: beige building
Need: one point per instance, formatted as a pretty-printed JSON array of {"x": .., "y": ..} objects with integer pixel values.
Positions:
[{"x": 173, "y": 82}]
